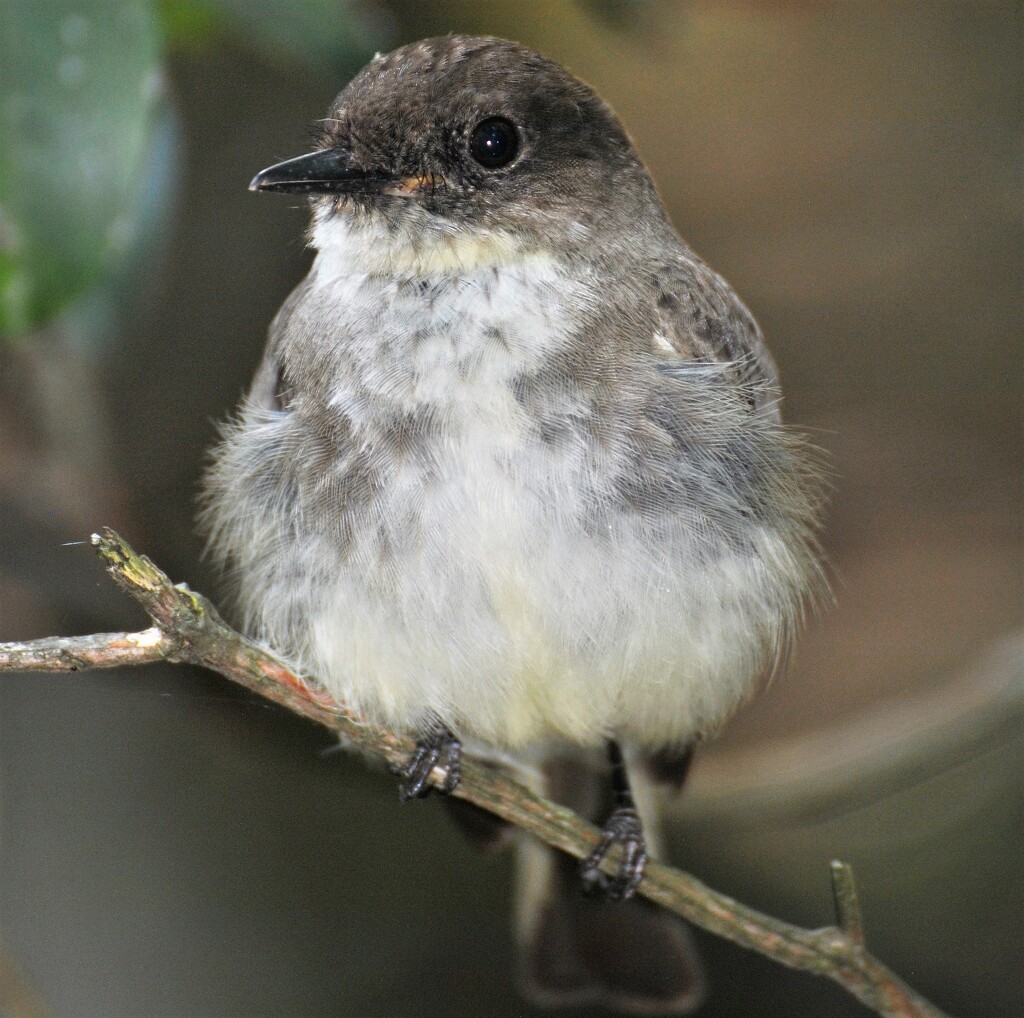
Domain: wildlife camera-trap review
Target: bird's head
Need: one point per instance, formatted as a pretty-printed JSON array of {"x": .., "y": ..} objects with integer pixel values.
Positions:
[{"x": 465, "y": 150}]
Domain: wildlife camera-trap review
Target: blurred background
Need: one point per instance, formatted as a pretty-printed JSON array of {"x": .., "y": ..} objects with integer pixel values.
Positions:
[{"x": 170, "y": 846}]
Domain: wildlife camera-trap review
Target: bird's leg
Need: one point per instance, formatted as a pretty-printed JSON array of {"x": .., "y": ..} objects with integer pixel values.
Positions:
[
  {"x": 622, "y": 828},
  {"x": 437, "y": 748}
]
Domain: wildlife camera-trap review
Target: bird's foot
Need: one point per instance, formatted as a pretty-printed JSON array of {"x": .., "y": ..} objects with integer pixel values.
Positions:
[
  {"x": 624, "y": 829},
  {"x": 439, "y": 748}
]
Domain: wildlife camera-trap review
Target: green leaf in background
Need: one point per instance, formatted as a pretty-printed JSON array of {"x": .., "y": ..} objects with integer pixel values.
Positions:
[
  {"x": 334, "y": 37},
  {"x": 80, "y": 89},
  {"x": 190, "y": 25}
]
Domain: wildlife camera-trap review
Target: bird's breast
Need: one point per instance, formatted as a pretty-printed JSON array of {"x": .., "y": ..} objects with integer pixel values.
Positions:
[
  {"x": 445, "y": 341},
  {"x": 468, "y": 552}
]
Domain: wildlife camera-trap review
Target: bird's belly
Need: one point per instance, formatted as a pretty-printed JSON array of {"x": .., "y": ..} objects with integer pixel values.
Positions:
[
  {"x": 444, "y": 607},
  {"x": 477, "y": 604}
]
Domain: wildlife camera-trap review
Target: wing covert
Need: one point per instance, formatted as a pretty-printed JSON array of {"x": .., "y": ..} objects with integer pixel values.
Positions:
[{"x": 705, "y": 329}]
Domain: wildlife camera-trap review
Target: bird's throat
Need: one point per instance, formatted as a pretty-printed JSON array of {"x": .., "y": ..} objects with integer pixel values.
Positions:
[{"x": 377, "y": 247}]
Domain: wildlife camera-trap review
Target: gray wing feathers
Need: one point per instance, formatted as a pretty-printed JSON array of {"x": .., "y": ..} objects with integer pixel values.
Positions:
[
  {"x": 268, "y": 386},
  {"x": 705, "y": 329}
]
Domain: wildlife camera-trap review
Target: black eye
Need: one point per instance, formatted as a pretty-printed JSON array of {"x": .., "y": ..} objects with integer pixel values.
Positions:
[{"x": 494, "y": 142}]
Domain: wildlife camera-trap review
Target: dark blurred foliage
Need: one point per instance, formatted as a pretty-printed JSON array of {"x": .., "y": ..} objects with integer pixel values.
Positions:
[{"x": 170, "y": 847}]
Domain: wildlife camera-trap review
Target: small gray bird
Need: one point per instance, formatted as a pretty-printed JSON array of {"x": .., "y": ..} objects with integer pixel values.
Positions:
[{"x": 512, "y": 477}]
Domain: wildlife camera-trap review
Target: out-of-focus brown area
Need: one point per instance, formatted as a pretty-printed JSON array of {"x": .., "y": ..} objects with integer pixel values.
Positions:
[{"x": 168, "y": 847}]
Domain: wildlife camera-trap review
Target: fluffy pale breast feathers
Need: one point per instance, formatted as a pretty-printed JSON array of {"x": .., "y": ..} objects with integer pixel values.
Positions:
[{"x": 471, "y": 486}]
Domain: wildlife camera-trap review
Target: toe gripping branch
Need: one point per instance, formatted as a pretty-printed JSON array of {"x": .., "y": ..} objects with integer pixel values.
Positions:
[
  {"x": 623, "y": 828},
  {"x": 438, "y": 748}
]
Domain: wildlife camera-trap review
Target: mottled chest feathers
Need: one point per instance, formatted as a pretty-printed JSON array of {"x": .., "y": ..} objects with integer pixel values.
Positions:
[{"x": 450, "y": 341}]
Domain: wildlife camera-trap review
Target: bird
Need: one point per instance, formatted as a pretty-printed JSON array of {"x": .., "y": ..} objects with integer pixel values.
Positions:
[{"x": 512, "y": 478}]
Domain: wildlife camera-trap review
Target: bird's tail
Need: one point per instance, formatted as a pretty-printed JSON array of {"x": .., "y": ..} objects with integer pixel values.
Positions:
[{"x": 582, "y": 948}]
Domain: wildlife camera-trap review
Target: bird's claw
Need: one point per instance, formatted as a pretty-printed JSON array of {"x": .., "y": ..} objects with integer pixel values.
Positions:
[
  {"x": 625, "y": 830},
  {"x": 438, "y": 749}
]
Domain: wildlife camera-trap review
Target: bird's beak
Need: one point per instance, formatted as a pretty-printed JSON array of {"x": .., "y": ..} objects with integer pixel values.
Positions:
[{"x": 329, "y": 171}]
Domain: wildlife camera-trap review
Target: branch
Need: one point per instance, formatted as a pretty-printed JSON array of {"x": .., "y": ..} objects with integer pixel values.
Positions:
[{"x": 188, "y": 629}]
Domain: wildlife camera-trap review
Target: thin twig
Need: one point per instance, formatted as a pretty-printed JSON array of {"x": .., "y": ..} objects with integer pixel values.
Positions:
[
  {"x": 189, "y": 629},
  {"x": 844, "y": 891}
]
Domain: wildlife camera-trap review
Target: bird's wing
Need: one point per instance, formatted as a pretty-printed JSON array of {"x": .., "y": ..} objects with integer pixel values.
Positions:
[
  {"x": 269, "y": 386},
  {"x": 704, "y": 328}
]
